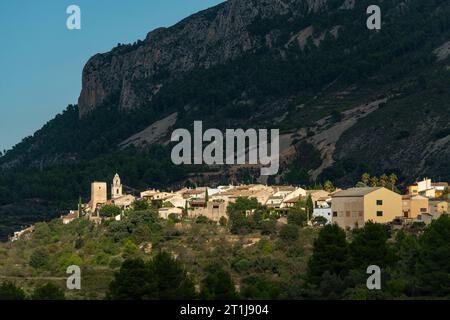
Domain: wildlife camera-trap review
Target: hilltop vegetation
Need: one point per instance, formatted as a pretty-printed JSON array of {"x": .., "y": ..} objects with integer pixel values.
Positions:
[
  {"x": 101, "y": 250},
  {"x": 136, "y": 259}
]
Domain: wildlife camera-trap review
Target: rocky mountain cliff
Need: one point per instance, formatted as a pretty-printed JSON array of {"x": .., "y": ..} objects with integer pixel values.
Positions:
[
  {"x": 210, "y": 37},
  {"x": 323, "y": 45}
]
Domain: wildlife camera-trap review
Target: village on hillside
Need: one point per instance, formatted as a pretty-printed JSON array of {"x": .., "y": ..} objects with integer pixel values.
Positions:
[{"x": 424, "y": 202}]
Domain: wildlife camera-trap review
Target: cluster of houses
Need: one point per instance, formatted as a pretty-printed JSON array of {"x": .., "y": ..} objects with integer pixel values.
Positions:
[{"x": 350, "y": 208}]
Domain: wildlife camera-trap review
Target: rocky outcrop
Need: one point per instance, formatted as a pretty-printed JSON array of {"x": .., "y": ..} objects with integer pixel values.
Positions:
[
  {"x": 443, "y": 52},
  {"x": 213, "y": 36}
]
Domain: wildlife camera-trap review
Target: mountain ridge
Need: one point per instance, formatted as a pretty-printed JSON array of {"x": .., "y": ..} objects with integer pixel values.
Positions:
[{"x": 210, "y": 37}]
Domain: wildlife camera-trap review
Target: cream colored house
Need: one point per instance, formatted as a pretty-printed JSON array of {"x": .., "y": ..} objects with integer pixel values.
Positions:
[
  {"x": 425, "y": 218},
  {"x": 156, "y": 195},
  {"x": 352, "y": 208},
  {"x": 291, "y": 202},
  {"x": 259, "y": 192},
  {"x": 414, "y": 206},
  {"x": 177, "y": 201},
  {"x": 429, "y": 193},
  {"x": 124, "y": 201},
  {"x": 274, "y": 202},
  {"x": 213, "y": 210},
  {"x": 293, "y": 197},
  {"x": 164, "y": 213},
  {"x": 316, "y": 195}
]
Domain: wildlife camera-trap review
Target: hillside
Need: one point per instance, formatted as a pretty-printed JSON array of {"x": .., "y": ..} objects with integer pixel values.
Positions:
[
  {"x": 44, "y": 255},
  {"x": 346, "y": 99},
  {"x": 259, "y": 256}
]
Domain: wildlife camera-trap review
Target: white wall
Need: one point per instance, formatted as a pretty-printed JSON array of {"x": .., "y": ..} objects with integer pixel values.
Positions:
[{"x": 323, "y": 212}]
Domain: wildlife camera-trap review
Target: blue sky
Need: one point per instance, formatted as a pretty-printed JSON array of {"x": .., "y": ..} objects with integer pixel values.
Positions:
[{"x": 41, "y": 60}]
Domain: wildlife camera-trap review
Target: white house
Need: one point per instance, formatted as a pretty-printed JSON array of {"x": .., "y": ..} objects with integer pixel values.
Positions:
[
  {"x": 73, "y": 214},
  {"x": 177, "y": 201},
  {"x": 164, "y": 213},
  {"x": 322, "y": 208}
]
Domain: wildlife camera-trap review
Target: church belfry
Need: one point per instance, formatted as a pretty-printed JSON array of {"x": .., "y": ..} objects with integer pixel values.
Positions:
[{"x": 116, "y": 187}]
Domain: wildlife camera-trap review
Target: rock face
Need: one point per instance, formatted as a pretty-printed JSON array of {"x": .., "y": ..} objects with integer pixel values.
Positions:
[{"x": 207, "y": 38}]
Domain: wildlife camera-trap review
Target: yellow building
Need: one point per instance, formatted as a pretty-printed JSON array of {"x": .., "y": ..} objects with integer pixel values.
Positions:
[
  {"x": 440, "y": 188},
  {"x": 413, "y": 190},
  {"x": 352, "y": 208},
  {"x": 428, "y": 188},
  {"x": 414, "y": 206}
]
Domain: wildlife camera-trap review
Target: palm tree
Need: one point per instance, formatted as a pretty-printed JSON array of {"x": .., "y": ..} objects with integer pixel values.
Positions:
[
  {"x": 374, "y": 182},
  {"x": 393, "y": 179},
  {"x": 365, "y": 178},
  {"x": 384, "y": 180}
]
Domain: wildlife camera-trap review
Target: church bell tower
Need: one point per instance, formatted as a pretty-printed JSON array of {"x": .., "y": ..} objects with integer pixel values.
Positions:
[{"x": 116, "y": 187}]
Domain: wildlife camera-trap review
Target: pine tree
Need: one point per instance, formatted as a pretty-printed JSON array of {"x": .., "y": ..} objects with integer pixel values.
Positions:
[
  {"x": 218, "y": 285},
  {"x": 433, "y": 266},
  {"x": 172, "y": 280},
  {"x": 162, "y": 278},
  {"x": 370, "y": 247},
  {"x": 330, "y": 254},
  {"x": 48, "y": 292},
  {"x": 9, "y": 291}
]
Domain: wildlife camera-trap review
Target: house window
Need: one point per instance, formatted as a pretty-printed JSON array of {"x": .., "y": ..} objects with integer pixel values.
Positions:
[
  {"x": 334, "y": 213},
  {"x": 379, "y": 213},
  {"x": 379, "y": 202},
  {"x": 423, "y": 210},
  {"x": 361, "y": 214},
  {"x": 347, "y": 214}
]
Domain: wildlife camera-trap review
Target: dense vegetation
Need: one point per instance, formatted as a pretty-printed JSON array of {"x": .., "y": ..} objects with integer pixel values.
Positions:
[{"x": 144, "y": 257}]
